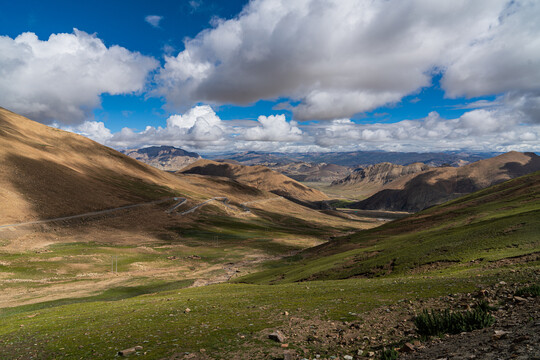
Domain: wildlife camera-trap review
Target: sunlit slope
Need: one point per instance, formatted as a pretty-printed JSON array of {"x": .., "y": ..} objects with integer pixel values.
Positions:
[
  {"x": 256, "y": 176},
  {"x": 46, "y": 172},
  {"x": 478, "y": 230}
]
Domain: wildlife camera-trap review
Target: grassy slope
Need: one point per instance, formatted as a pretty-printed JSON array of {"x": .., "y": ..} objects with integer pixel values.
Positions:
[
  {"x": 225, "y": 320},
  {"x": 489, "y": 225},
  {"x": 231, "y": 320}
]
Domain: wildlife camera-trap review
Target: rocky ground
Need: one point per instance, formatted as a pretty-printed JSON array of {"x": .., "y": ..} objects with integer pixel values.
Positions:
[{"x": 514, "y": 335}]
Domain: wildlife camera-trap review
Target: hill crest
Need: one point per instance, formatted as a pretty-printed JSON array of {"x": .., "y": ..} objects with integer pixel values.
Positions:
[{"x": 257, "y": 176}]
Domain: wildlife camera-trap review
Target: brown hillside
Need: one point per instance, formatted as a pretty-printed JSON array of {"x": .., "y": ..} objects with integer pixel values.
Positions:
[
  {"x": 257, "y": 176},
  {"x": 418, "y": 191},
  {"x": 367, "y": 181},
  {"x": 46, "y": 173},
  {"x": 312, "y": 172}
]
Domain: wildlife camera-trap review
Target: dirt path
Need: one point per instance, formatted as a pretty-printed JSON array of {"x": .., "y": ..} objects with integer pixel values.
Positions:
[
  {"x": 233, "y": 269},
  {"x": 219, "y": 198},
  {"x": 92, "y": 213}
]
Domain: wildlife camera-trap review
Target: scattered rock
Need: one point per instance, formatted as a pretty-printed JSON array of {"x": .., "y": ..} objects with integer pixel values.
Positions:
[
  {"x": 407, "y": 347},
  {"x": 288, "y": 355},
  {"x": 519, "y": 299},
  {"x": 499, "y": 334},
  {"x": 348, "y": 357},
  {"x": 130, "y": 351},
  {"x": 277, "y": 336},
  {"x": 187, "y": 311}
]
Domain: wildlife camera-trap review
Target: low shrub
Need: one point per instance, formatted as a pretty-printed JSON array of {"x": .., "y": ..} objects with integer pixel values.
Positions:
[
  {"x": 533, "y": 290},
  {"x": 437, "y": 322},
  {"x": 389, "y": 354},
  {"x": 484, "y": 306}
]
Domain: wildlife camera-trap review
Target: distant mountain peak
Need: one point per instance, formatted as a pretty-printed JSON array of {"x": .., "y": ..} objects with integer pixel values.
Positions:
[
  {"x": 163, "y": 157},
  {"x": 164, "y": 149}
]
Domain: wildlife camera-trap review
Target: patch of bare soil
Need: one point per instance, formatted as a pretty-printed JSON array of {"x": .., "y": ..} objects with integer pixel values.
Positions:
[
  {"x": 515, "y": 260},
  {"x": 435, "y": 265}
]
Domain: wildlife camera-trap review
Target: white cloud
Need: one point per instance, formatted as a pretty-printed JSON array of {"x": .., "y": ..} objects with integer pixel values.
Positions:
[
  {"x": 94, "y": 130},
  {"x": 505, "y": 57},
  {"x": 200, "y": 129},
  {"x": 61, "y": 79},
  {"x": 483, "y": 130},
  {"x": 273, "y": 128},
  {"x": 153, "y": 20},
  {"x": 336, "y": 57}
]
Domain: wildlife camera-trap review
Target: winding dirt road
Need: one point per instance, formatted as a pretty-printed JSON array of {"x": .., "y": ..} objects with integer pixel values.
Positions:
[
  {"x": 92, "y": 213},
  {"x": 180, "y": 201}
]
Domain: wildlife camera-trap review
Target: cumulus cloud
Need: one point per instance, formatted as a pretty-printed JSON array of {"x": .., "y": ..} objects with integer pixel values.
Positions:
[
  {"x": 201, "y": 129},
  {"x": 504, "y": 59},
  {"x": 61, "y": 79},
  {"x": 335, "y": 58},
  {"x": 273, "y": 128},
  {"x": 481, "y": 129},
  {"x": 153, "y": 20}
]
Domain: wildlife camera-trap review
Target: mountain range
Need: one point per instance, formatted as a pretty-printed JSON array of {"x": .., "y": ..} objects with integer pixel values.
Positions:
[
  {"x": 357, "y": 159},
  {"x": 418, "y": 190}
]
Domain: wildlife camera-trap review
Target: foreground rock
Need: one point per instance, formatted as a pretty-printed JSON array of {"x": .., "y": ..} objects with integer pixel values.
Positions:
[
  {"x": 130, "y": 351},
  {"x": 277, "y": 336}
]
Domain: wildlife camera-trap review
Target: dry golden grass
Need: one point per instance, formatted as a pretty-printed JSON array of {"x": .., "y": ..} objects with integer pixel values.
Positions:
[{"x": 256, "y": 176}]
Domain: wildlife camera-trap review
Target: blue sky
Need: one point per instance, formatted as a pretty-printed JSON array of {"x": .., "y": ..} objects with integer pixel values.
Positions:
[
  {"x": 275, "y": 75},
  {"x": 120, "y": 23}
]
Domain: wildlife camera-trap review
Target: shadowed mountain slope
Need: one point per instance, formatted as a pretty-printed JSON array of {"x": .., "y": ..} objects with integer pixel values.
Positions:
[
  {"x": 418, "y": 191},
  {"x": 370, "y": 179}
]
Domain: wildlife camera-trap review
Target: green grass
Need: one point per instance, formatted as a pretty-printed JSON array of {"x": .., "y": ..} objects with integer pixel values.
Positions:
[
  {"x": 114, "y": 294},
  {"x": 533, "y": 290},
  {"x": 97, "y": 328},
  {"x": 476, "y": 230},
  {"x": 389, "y": 354}
]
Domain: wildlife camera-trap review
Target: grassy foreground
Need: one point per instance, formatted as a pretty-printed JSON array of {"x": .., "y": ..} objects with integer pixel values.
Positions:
[{"x": 226, "y": 321}]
